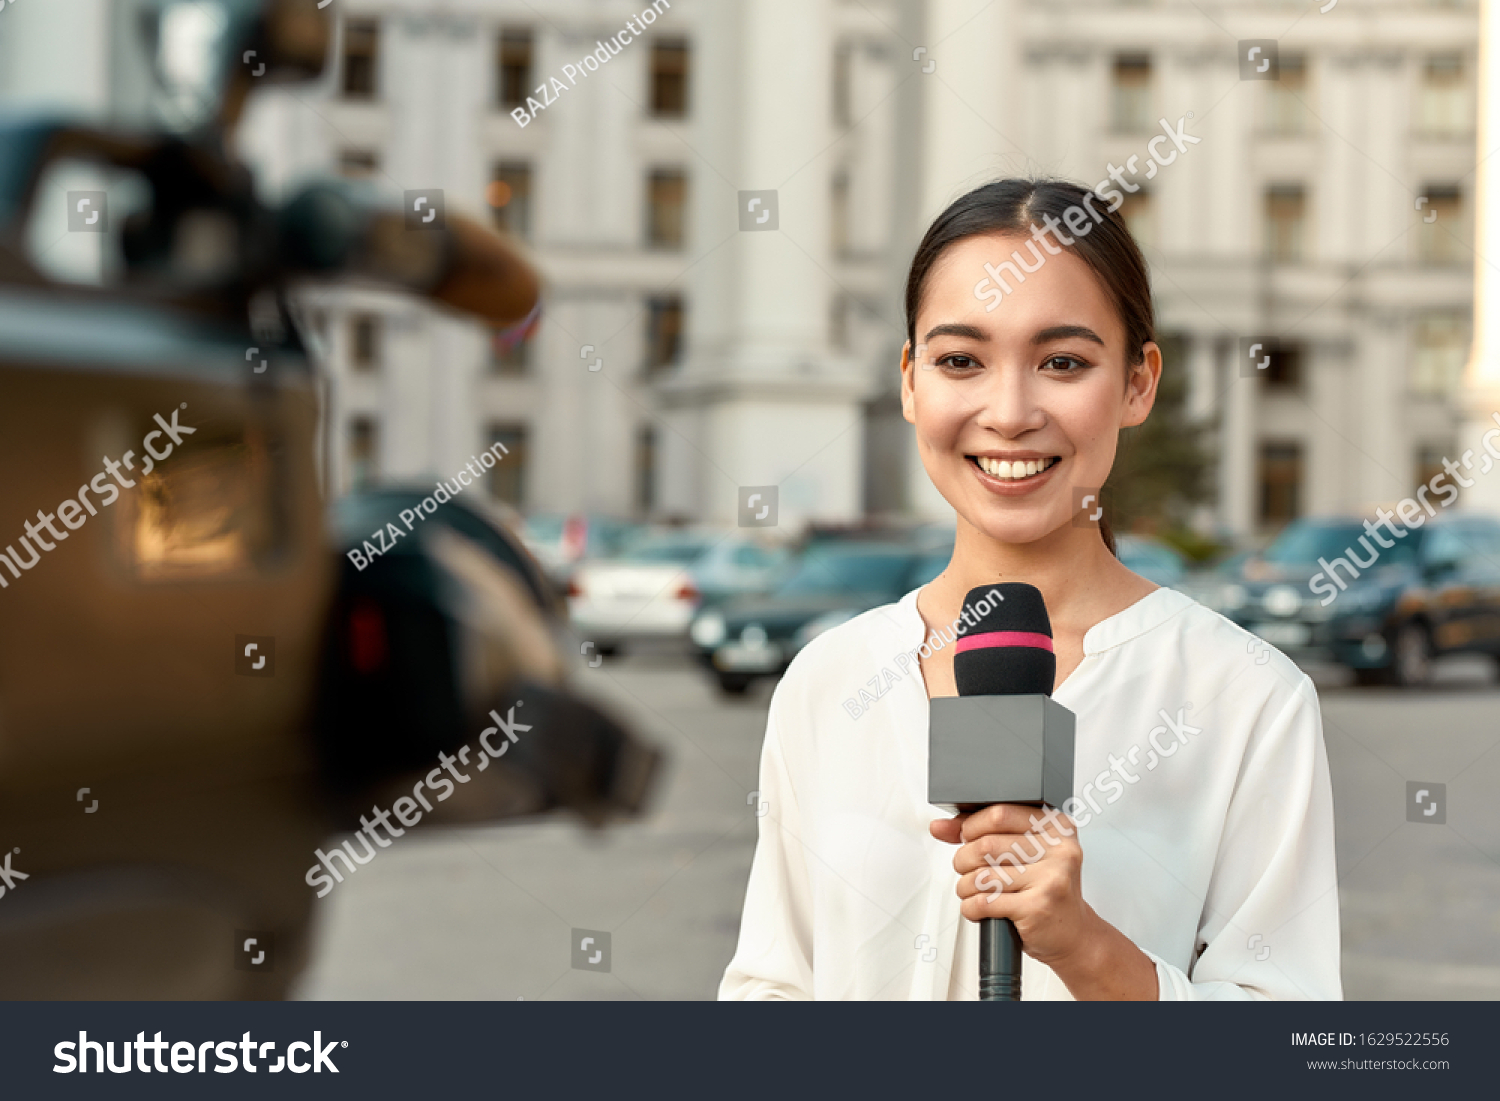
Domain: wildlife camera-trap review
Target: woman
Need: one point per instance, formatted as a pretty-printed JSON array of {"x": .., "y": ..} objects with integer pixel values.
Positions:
[{"x": 1204, "y": 808}]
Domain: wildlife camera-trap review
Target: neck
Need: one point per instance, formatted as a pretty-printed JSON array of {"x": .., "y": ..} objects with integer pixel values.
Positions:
[{"x": 1071, "y": 566}]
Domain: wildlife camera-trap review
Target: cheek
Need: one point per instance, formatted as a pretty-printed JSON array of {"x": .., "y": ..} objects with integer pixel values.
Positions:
[
  {"x": 940, "y": 412},
  {"x": 1089, "y": 414}
]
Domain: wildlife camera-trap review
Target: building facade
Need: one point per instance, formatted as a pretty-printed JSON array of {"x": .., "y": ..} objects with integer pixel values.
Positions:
[{"x": 724, "y": 203}]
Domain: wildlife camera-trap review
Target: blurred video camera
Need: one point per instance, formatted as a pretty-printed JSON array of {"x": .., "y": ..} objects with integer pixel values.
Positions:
[{"x": 198, "y": 687}]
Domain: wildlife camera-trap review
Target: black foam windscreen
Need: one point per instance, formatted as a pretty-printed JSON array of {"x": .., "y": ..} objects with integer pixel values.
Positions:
[{"x": 1008, "y": 649}]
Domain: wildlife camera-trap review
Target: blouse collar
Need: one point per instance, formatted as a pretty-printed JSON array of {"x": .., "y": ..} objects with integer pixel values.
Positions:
[{"x": 1146, "y": 614}]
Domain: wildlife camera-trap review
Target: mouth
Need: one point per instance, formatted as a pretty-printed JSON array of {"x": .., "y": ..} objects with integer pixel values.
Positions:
[{"x": 1014, "y": 471}]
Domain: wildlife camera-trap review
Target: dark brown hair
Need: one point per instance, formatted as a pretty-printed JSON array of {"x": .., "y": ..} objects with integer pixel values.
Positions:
[{"x": 1014, "y": 206}]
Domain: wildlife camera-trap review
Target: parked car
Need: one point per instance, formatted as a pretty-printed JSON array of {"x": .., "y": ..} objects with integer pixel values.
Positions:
[
  {"x": 560, "y": 541},
  {"x": 832, "y": 583},
  {"x": 1152, "y": 559},
  {"x": 652, "y": 589},
  {"x": 1434, "y": 592}
]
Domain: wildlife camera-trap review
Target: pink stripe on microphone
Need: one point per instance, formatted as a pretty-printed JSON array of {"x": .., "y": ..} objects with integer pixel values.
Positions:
[{"x": 1003, "y": 638}]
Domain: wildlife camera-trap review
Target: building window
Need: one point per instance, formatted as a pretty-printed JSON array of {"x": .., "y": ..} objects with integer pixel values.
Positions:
[
  {"x": 1280, "y": 483},
  {"x": 667, "y": 208},
  {"x": 358, "y": 164},
  {"x": 1441, "y": 350},
  {"x": 1130, "y": 99},
  {"x": 1286, "y": 97},
  {"x": 1139, "y": 218},
  {"x": 509, "y": 358},
  {"x": 838, "y": 214},
  {"x": 513, "y": 59},
  {"x": 645, "y": 470},
  {"x": 1430, "y": 463},
  {"x": 1441, "y": 241},
  {"x": 364, "y": 453},
  {"x": 1285, "y": 222},
  {"x": 1285, "y": 368},
  {"x": 1443, "y": 100},
  {"x": 663, "y": 332},
  {"x": 361, "y": 48},
  {"x": 843, "y": 91},
  {"x": 364, "y": 341},
  {"x": 507, "y": 478},
  {"x": 840, "y": 306},
  {"x": 509, "y": 197},
  {"x": 669, "y": 80}
]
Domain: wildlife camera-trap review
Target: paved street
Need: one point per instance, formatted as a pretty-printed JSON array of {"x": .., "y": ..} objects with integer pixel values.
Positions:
[{"x": 487, "y": 913}]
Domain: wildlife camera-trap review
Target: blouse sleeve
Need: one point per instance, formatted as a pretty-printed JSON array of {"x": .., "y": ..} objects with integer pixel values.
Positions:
[
  {"x": 774, "y": 958},
  {"x": 1270, "y": 923}
]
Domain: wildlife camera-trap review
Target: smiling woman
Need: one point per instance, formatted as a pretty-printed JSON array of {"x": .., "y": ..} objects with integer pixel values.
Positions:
[{"x": 1223, "y": 848}]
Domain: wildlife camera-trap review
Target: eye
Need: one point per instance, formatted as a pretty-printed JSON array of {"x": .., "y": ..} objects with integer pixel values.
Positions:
[
  {"x": 959, "y": 361},
  {"x": 1063, "y": 363}
]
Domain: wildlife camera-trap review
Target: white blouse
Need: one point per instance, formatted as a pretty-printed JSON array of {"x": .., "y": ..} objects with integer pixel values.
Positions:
[{"x": 1206, "y": 817}]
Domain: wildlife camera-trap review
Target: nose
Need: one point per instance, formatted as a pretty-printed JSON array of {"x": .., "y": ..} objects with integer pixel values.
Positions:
[{"x": 1010, "y": 408}]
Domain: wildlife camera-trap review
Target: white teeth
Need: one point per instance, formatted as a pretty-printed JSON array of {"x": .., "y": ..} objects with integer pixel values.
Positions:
[{"x": 1014, "y": 471}]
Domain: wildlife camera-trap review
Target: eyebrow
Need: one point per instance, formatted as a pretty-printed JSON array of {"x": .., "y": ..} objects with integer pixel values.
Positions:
[
  {"x": 1056, "y": 332},
  {"x": 1061, "y": 332},
  {"x": 968, "y": 332}
]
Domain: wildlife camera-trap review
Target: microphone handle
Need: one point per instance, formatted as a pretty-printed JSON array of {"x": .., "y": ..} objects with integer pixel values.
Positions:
[{"x": 999, "y": 961}]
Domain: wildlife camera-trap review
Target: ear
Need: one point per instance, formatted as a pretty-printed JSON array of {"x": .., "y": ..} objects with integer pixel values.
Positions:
[
  {"x": 908, "y": 385},
  {"x": 1140, "y": 388}
]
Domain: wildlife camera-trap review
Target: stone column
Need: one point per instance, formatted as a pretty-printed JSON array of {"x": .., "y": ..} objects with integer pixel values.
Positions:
[
  {"x": 761, "y": 399},
  {"x": 1237, "y": 447},
  {"x": 970, "y": 128}
]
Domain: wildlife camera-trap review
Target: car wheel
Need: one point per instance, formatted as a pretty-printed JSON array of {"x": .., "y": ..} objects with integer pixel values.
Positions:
[
  {"x": 1411, "y": 665},
  {"x": 1372, "y": 678},
  {"x": 734, "y": 684}
]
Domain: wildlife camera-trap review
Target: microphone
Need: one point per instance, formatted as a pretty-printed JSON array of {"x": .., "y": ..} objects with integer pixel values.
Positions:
[{"x": 1002, "y": 739}]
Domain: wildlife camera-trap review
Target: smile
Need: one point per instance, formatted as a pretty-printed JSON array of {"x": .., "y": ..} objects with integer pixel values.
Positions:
[{"x": 1017, "y": 470}]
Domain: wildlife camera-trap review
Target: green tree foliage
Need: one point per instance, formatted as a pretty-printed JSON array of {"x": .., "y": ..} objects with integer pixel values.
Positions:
[{"x": 1163, "y": 468}]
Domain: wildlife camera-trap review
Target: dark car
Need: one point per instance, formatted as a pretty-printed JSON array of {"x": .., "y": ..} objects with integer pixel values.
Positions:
[
  {"x": 832, "y": 583},
  {"x": 1318, "y": 592}
]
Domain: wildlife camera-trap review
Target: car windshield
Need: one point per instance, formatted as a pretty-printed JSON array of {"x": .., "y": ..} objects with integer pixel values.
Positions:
[
  {"x": 846, "y": 569},
  {"x": 1302, "y": 544},
  {"x": 677, "y": 549}
]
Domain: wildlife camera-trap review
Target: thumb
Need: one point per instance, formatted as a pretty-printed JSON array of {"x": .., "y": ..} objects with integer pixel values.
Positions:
[{"x": 948, "y": 829}]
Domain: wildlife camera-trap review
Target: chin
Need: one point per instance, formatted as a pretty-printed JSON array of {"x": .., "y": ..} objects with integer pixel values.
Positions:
[{"x": 1018, "y": 529}]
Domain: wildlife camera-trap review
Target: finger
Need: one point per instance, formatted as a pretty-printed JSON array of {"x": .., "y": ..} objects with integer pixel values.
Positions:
[
  {"x": 948, "y": 829},
  {"x": 982, "y": 906},
  {"x": 1011, "y": 818},
  {"x": 1006, "y": 849},
  {"x": 992, "y": 881}
]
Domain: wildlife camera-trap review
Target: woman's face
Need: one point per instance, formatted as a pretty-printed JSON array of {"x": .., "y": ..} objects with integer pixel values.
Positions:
[{"x": 1018, "y": 410}]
